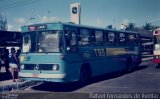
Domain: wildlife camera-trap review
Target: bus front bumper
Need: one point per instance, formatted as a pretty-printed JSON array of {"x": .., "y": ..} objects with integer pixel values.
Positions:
[{"x": 43, "y": 77}]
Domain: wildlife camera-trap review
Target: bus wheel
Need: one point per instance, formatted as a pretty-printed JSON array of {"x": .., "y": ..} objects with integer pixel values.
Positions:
[
  {"x": 129, "y": 66},
  {"x": 84, "y": 76}
]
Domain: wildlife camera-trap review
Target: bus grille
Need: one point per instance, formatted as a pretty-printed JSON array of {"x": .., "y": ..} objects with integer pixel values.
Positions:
[{"x": 38, "y": 67}]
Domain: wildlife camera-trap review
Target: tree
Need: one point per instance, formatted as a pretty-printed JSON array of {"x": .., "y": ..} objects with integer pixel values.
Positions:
[
  {"x": 109, "y": 26},
  {"x": 155, "y": 27},
  {"x": 131, "y": 27},
  {"x": 148, "y": 26},
  {"x": 3, "y": 23}
]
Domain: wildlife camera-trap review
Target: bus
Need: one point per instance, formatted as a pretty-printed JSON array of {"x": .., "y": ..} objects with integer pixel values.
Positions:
[
  {"x": 147, "y": 44},
  {"x": 156, "y": 46},
  {"x": 66, "y": 52}
]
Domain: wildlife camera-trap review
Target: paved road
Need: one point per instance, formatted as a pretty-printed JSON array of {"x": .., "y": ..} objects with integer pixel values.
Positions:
[{"x": 143, "y": 80}]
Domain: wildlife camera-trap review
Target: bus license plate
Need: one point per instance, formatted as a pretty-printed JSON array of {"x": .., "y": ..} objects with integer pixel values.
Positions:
[{"x": 36, "y": 75}]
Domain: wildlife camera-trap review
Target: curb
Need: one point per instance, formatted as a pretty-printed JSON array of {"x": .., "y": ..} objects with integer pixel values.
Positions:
[{"x": 17, "y": 86}]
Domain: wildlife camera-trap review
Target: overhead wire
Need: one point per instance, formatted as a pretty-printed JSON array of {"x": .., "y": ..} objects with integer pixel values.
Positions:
[{"x": 17, "y": 4}]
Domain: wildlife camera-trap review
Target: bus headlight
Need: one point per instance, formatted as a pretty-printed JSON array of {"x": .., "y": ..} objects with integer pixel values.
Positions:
[
  {"x": 55, "y": 67},
  {"x": 22, "y": 58},
  {"x": 22, "y": 67}
]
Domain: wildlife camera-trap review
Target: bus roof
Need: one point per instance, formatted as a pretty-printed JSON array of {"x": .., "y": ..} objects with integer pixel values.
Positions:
[{"x": 61, "y": 24}]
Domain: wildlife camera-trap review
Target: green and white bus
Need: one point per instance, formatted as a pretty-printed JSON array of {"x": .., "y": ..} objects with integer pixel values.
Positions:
[{"x": 66, "y": 52}]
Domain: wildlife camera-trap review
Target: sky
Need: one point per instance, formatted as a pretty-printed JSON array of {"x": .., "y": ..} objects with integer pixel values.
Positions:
[{"x": 99, "y": 13}]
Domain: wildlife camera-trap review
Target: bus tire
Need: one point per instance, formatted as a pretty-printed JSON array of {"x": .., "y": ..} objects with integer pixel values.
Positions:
[
  {"x": 129, "y": 66},
  {"x": 85, "y": 75}
]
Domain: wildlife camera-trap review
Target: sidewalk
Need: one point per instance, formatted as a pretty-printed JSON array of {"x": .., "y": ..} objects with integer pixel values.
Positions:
[
  {"x": 4, "y": 75},
  {"x": 7, "y": 84}
]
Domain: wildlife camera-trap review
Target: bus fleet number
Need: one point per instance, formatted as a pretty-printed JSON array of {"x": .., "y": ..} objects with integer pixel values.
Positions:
[{"x": 100, "y": 52}]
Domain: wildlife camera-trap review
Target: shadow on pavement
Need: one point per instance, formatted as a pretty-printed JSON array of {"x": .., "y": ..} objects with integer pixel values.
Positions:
[
  {"x": 68, "y": 87},
  {"x": 158, "y": 67},
  {"x": 57, "y": 87},
  {"x": 141, "y": 67}
]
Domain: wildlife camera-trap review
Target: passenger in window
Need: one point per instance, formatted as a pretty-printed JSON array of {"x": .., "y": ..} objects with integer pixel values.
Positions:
[
  {"x": 72, "y": 43},
  {"x": 132, "y": 39},
  {"x": 72, "y": 47},
  {"x": 111, "y": 38}
]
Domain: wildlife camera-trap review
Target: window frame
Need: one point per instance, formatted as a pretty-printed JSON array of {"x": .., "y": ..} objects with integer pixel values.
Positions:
[
  {"x": 122, "y": 42},
  {"x": 131, "y": 41},
  {"x": 80, "y": 41},
  {"x": 96, "y": 40},
  {"x": 114, "y": 39},
  {"x": 69, "y": 47}
]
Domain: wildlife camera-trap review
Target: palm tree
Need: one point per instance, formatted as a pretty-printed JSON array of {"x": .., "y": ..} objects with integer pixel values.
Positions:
[
  {"x": 131, "y": 27},
  {"x": 148, "y": 26},
  {"x": 109, "y": 26}
]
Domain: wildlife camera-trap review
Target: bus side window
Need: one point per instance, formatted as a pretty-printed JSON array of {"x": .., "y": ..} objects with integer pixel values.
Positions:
[
  {"x": 98, "y": 37},
  {"x": 138, "y": 40},
  {"x": 122, "y": 38},
  {"x": 84, "y": 37},
  {"x": 132, "y": 39},
  {"x": 26, "y": 39},
  {"x": 71, "y": 42},
  {"x": 26, "y": 43},
  {"x": 111, "y": 38}
]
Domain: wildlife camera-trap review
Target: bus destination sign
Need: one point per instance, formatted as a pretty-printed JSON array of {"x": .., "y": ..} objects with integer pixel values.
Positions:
[{"x": 39, "y": 27}]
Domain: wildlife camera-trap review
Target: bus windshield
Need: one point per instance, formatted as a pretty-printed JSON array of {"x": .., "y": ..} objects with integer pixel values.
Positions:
[{"x": 42, "y": 41}]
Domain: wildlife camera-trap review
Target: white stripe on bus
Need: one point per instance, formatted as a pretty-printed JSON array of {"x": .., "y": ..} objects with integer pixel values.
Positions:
[{"x": 40, "y": 75}]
